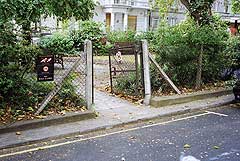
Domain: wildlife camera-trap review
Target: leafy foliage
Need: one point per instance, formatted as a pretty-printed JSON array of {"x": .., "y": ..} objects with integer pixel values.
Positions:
[
  {"x": 58, "y": 43},
  {"x": 233, "y": 52},
  {"x": 65, "y": 9},
  {"x": 31, "y": 10},
  {"x": 163, "y": 6},
  {"x": 236, "y": 6},
  {"x": 121, "y": 36},
  {"x": 177, "y": 50},
  {"x": 19, "y": 92},
  {"x": 126, "y": 84},
  {"x": 88, "y": 30},
  {"x": 25, "y": 12},
  {"x": 22, "y": 11},
  {"x": 67, "y": 95},
  {"x": 15, "y": 84}
]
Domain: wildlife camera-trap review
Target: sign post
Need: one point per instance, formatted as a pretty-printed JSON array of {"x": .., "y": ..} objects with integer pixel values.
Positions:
[{"x": 45, "y": 68}]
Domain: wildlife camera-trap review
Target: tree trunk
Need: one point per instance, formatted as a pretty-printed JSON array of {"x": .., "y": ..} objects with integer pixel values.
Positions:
[
  {"x": 199, "y": 69},
  {"x": 26, "y": 27}
]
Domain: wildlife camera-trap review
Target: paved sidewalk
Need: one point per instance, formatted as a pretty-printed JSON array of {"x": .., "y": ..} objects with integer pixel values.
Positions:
[{"x": 112, "y": 112}]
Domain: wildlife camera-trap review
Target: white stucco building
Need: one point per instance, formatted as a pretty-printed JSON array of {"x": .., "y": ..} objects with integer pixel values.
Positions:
[
  {"x": 132, "y": 14},
  {"x": 137, "y": 15}
]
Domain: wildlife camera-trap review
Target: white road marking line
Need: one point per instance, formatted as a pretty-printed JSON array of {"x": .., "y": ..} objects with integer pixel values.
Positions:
[
  {"x": 103, "y": 135},
  {"x": 216, "y": 113}
]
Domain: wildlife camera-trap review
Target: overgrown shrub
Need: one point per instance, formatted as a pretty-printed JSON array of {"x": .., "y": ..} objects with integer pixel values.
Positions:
[
  {"x": 58, "y": 43},
  {"x": 88, "y": 30},
  {"x": 15, "y": 82},
  {"x": 121, "y": 36},
  {"x": 233, "y": 51},
  {"x": 127, "y": 84},
  {"x": 150, "y": 36},
  {"x": 67, "y": 96},
  {"x": 177, "y": 49},
  {"x": 19, "y": 92}
]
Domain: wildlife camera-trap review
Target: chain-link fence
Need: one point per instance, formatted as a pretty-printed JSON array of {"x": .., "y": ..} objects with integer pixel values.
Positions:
[
  {"x": 125, "y": 64},
  {"x": 69, "y": 88}
]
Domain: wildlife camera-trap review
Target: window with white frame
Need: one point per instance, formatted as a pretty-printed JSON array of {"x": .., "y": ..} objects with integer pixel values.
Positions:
[{"x": 155, "y": 22}]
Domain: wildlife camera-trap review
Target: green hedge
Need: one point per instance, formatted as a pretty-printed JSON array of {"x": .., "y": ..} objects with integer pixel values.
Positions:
[
  {"x": 58, "y": 43},
  {"x": 89, "y": 30},
  {"x": 177, "y": 50}
]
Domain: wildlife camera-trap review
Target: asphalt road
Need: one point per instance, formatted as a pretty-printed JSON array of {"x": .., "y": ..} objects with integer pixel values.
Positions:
[{"x": 212, "y": 135}]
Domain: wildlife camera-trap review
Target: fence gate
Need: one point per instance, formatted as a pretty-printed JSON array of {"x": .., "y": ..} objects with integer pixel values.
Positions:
[
  {"x": 72, "y": 85},
  {"x": 125, "y": 64}
]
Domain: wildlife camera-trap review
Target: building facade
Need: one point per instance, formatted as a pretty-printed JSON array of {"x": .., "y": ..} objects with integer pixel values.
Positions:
[{"x": 137, "y": 14}]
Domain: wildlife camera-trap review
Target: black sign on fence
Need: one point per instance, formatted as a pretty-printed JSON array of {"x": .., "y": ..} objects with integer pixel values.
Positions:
[{"x": 45, "y": 68}]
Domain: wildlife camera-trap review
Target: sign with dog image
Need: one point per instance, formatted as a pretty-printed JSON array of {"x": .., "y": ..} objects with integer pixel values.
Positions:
[{"x": 45, "y": 68}]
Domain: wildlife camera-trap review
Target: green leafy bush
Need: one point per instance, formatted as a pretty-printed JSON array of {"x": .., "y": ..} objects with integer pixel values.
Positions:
[
  {"x": 18, "y": 90},
  {"x": 15, "y": 81},
  {"x": 126, "y": 84},
  {"x": 121, "y": 36},
  {"x": 67, "y": 96},
  {"x": 233, "y": 51},
  {"x": 58, "y": 43},
  {"x": 88, "y": 30},
  {"x": 177, "y": 49}
]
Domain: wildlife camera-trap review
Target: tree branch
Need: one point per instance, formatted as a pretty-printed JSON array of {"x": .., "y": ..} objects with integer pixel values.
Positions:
[{"x": 186, "y": 3}]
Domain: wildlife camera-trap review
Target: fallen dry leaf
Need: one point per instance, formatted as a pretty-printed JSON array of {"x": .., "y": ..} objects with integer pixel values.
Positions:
[
  {"x": 216, "y": 147},
  {"x": 19, "y": 119},
  {"x": 133, "y": 138},
  {"x": 63, "y": 112},
  {"x": 82, "y": 110},
  {"x": 18, "y": 133},
  {"x": 150, "y": 122},
  {"x": 187, "y": 146},
  {"x": 78, "y": 136},
  {"x": 40, "y": 117}
]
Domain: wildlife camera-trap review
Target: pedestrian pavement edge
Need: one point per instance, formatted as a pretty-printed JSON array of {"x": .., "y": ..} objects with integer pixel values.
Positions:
[
  {"x": 48, "y": 121},
  {"x": 175, "y": 111},
  {"x": 159, "y": 102}
]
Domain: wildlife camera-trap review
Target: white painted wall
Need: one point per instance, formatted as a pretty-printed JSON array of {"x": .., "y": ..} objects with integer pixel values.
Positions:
[
  {"x": 118, "y": 21},
  {"x": 141, "y": 14},
  {"x": 99, "y": 15},
  {"x": 49, "y": 22}
]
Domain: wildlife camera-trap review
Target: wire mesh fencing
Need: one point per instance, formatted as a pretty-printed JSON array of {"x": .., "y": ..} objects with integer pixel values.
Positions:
[
  {"x": 68, "y": 88},
  {"x": 73, "y": 81}
]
